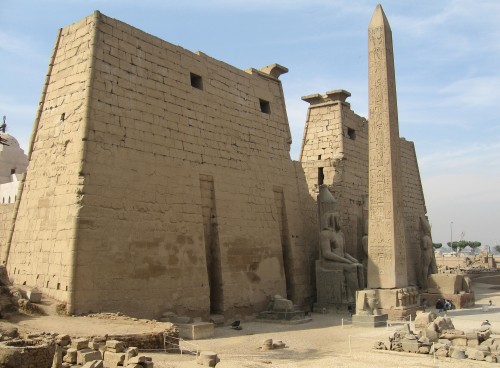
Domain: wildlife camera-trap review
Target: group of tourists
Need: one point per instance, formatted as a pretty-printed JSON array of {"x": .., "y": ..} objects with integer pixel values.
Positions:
[{"x": 444, "y": 305}]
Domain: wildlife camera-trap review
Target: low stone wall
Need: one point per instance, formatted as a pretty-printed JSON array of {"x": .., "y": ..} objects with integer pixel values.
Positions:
[
  {"x": 26, "y": 354},
  {"x": 151, "y": 341}
]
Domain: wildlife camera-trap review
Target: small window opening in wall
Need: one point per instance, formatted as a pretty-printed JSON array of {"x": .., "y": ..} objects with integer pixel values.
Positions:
[
  {"x": 351, "y": 133},
  {"x": 319, "y": 157},
  {"x": 196, "y": 81},
  {"x": 265, "y": 107},
  {"x": 58, "y": 286},
  {"x": 12, "y": 171},
  {"x": 63, "y": 116},
  {"x": 321, "y": 176}
]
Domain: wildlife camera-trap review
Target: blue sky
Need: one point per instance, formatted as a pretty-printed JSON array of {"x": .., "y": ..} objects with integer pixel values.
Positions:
[{"x": 447, "y": 56}]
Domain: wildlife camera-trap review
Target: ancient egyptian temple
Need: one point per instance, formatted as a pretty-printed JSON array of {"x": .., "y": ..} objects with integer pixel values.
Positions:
[{"x": 161, "y": 180}]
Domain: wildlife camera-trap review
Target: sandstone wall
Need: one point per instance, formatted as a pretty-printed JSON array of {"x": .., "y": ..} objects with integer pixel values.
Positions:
[
  {"x": 6, "y": 214},
  {"x": 336, "y": 140},
  {"x": 414, "y": 207},
  {"x": 336, "y": 143},
  {"x": 185, "y": 169},
  {"x": 42, "y": 246}
]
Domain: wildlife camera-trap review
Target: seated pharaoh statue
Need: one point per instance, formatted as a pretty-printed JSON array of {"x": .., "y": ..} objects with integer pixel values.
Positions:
[
  {"x": 335, "y": 258},
  {"x": 428, "y": 260}
]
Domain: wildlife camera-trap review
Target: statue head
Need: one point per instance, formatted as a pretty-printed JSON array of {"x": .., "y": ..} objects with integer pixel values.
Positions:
[{"x": 425, "y": 227}]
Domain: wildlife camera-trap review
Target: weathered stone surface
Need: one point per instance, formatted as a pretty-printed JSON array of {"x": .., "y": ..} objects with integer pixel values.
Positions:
[
  {"x": 491, "y": 359},
  {"x": 410, "y": 346},
  {"x": 424, "y": 349},
  {"x": 386, "y": 241},
  {"x": 57, "y": 362},
  {"x": 79, "y": 344},
  {"x": 423, "y": 319},
  {"x": 457, "y": 352},
  {"x": 86, "y": 355},
  {"x": 71, "y": 356},
  {"x": 475, "y": 354},
  {"x": 197, "y": 330},
  {"x": 167, "y": 145},
  {"x": 459, "y": 341},
  {"x": 34, "y": 296},
  {"x": 94, "y": 364},
  {"x": 208, "y": 358},
  {"x": 115, "y": 346},
  {"x": 63, "y": 340},
  {"x": 442, "y": 352},
  {"x": 114, "y": 359},
  {"x": 472, "y": 339},
  {"x": 130, "y": 353},
  {"x": 445, "y": 283},
  {"x": 431, "y": 333},
  {"x": 443, "y": 323}
]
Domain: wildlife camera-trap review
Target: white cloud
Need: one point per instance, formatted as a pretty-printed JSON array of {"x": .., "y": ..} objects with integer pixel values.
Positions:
[
  {"x": 472, "y": 92},
  {"x": 18, "y": 45}
]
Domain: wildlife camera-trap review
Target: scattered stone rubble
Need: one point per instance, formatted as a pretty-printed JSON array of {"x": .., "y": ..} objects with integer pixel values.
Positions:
[
  {"x": 51, "y": 350},
  {"x": 269, "y": 345},
  {"x": 437, "y": 335}
]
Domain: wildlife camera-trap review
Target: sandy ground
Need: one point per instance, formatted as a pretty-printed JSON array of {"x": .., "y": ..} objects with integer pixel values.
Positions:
[{"x": 323, "y": 342}]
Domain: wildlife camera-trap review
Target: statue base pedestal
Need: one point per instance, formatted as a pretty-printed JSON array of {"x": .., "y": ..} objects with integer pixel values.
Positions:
[
  {"x": 397, "y": 304},
  {"x": 360, "y": 320}
]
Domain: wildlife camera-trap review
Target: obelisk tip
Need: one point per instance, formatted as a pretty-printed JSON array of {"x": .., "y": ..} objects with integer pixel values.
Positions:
[{"x": 378, "y": 18}]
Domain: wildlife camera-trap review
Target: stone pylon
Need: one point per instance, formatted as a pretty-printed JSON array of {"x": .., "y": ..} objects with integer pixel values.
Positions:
[{"x": 386, "y": 234}]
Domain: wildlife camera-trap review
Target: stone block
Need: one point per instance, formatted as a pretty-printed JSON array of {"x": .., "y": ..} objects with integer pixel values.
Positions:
[
  {"x": 71, "y": 356},
  {"x": 63, "y": 340},
  {"x": 34, "y": 296},
  {"x": 137, "y": 359},
  {"x": 431, "y": 333},
  {"x": 445, "y": 284},
  {"x": 282, "y": 304},
  {"x": 207, "y": 358},
  {"x": 115, "y": 346},
  {"x": 148, "y": 364},
  {"x": 424, "y": 349},
  {"x": 130, "y": 353},
  {"x": 459, "y": 341},
  {"x": 423, "y": 320},
  {"x": 443, "y": 352},
  {"x": 329, "y": 284},
  {"x": 196, "y": 331},
  {"x": 443, "y": 324},
  {"x": 79, "y": 344},
  {"x": 112, "y": 359},
  {"x": 472, "y": 339},
  {"x": 86, "y": 355},
  {"x": 491, "y": 359},
  {"x": 409, "y": 346},
  {"x": 457, "y": 352},
  {"x": 475, "y": 354},
  {"x": 94, "y": 364}
]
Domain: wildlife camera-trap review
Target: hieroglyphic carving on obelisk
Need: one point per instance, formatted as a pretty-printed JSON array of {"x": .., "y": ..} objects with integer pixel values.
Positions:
[{"x": 386, "y": 233}]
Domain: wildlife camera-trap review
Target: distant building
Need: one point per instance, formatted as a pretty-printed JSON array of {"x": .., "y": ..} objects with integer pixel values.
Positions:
[{"x": 13, "y": 163}]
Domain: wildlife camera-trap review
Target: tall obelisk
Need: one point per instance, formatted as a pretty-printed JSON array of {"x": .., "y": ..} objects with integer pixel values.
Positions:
[{"x": 386, "y": 232}]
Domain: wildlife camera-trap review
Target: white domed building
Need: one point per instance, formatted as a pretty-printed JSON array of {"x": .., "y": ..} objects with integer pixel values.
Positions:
[{"x": 13, "y": 164}]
